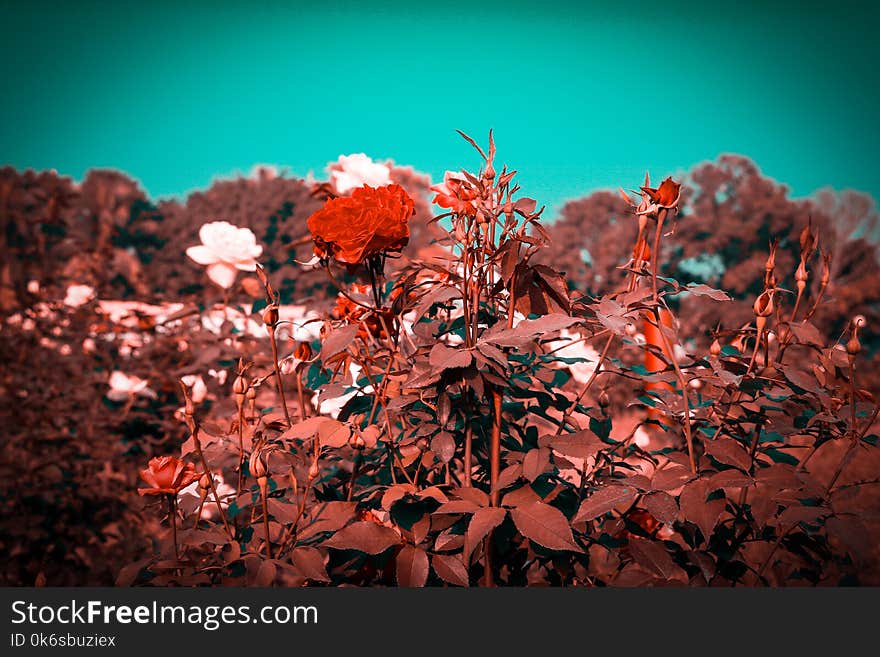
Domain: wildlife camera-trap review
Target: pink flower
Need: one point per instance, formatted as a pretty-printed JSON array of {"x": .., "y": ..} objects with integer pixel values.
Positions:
[
  {"x": 357, "y": 170},
  {"x": 77, "y": 295},
  {"x": 225, "y": 249}
]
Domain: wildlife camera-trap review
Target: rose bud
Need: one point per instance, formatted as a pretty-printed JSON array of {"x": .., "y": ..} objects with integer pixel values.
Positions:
[
  {"x": 764, "y": 304},
  {"x": 356, "y": 441},
  {"x": 257, "y": 465},
  {"x": 801, "y": 277},
  {"x": 239, "y": 386},
  {"x": 604, "y": 401},
  {"x": 303, "y": 351},
  {"x": 270, "y": 315},
  {"x": 314, "y": 471},
  {"x": 826, "y": 269},
  {"x": 715, "y": 348},
  {"x": 205, "y": 483}
]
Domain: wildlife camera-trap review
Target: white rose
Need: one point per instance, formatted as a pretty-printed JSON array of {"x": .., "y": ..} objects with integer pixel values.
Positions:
[
  {"x": 357, "y": 170},
  {"x": 197, "y": 388},
  {"x": 225, "y": 249},
  {"x": 123, "y": 386},
  {"x": 77, "y": 295}
]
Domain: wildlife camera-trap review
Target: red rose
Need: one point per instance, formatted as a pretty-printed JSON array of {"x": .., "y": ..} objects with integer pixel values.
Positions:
[
  {"x": 369, "y": 222},
  {"x": 456, "y": 193},
  {"x": 167, "y": 475}
]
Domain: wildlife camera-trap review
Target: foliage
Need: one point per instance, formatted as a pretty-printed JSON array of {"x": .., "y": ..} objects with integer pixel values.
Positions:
[{"x": 436, "y": 426}]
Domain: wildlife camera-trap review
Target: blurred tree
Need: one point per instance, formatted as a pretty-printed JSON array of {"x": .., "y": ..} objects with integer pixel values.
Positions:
[{"x": 729, "y": 215}]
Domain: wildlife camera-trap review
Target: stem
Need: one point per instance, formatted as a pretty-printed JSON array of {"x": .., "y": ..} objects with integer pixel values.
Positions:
[
  {"x": 278, "y": 381},
  {"x": 689, "y": 439},
  {"x": 354, "y": 474},
  {"x": 495, "y": 447},
  {"x": 264, "y": 489},
  {"x": 301, "y": 398},
  {"x": 172, "y": 511},
  {"x": 655, "y": 258},
  {"x": 240, "y": 444},
  {"x": 198, "y": 446}
]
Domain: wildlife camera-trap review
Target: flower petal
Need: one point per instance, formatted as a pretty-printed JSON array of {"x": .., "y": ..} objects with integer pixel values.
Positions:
[
  {"x": 202, "y": 255},
  {"x": 223, "y": 274}
]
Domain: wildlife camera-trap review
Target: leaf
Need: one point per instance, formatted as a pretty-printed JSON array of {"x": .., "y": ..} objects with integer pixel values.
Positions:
[
  {"x": 728, "y": 451},
  {"x": 337, "y": 342},
  {"x": 365, "y": 536},
  {"x": 581, "y": 445},
  {"x": 652, "y": 556},
  {"x": 310, "y": 563},
  {"x": 730, "y": 479},
  {"x": 794, "y": 515},
  {"x": 545, "y": 525},
  {"x": 704, "y": 562},
  {"x": 326, "y": 517},
  {"x": 475, "y": 495},
  {"x": 852, "y": 533},
  {"x": 509, "y": 475},
  {"x": 535, "y": 463},
  {"x": 412, "y": 567},
  {"x": 779, "y": 476},
  {"x": 801, "y": 379},
  {"x": 483, "y": 521},
  {"x": 305, "y": 429},
  {"x": 394, "y": 493},
  {"x": 528, "y": 329},
  {"x": 662, "y": 506},
  {"x": 671, "y": 478},
  {"x": 458, "y": 506},
  {"x": 265, "y": 574},
  {"x": 333, "y": 434},
  {"x": 604, "y": 500},
  {"x": 450, "y": 569},
  {"x": 806, "y": 333},
  {"x": 706, "y": 291},
  {"x": 697, "y": 509},
  {"x": 445, "y": 358},
  {"x": 443, "y": 445}
]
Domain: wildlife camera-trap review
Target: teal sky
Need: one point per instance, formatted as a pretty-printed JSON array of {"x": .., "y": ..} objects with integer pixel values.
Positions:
[{"x": 581, "y": 95}]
